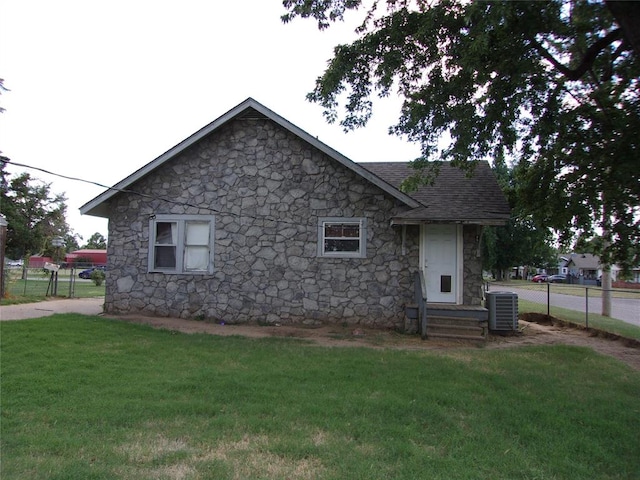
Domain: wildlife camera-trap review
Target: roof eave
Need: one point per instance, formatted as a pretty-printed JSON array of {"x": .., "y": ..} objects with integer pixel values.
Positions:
[
  {"x": 492, "y": 222},
  {"x": 100, "y": 210}
]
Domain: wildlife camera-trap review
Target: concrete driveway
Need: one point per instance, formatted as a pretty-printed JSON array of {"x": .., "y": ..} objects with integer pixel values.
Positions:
[{"x": 86, "y": 306}]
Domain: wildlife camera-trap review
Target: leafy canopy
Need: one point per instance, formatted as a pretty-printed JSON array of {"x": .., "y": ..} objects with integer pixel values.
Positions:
[
  {"x": 551, "y": 87},
  {"x": 34, "y": 215},
  {"x": 96, "y": 241},
  {"x": 520, "y": 242}
]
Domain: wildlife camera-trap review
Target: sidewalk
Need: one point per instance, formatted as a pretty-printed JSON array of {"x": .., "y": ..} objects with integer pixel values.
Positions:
[{"x": 86, "y": 306}]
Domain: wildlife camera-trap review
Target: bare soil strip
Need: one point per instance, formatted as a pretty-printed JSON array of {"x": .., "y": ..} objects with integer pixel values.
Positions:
[{"x": 531, "y": 333}]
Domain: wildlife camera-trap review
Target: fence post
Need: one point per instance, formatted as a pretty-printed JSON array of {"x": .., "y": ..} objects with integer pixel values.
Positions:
[
  {"x": 71, "y": 292},
  {"x": 548, "y": 300},
  {"x": 586, "y": 292},
  {"x": 25, "y": 275}
]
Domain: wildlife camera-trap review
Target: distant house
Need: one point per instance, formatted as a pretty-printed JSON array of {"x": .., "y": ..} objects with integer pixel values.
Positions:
[
  {"x": 582, "y": 268},
  {"x": 585, "y": 265},
  {"x": 585, "y": 268},
  {"x": 251, "y": 219}
]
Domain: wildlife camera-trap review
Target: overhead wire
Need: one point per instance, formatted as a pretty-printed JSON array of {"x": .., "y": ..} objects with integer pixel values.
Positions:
[
  {"x": 119, "y": 190},
  {"x": 7, "y": 161}
]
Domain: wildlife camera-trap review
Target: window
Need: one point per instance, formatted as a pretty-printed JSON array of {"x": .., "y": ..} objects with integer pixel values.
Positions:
[
  {"x": 342, "y": 237},
  {"x": 181, "y": 244}
]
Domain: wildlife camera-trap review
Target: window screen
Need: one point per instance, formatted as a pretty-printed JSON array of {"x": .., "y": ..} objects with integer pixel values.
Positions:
[
  {"x": 166, "y": 244},
  {"x": 341, "y": 237},
  {"x": 196, "y": 248},
  {"x": 181, "y": 244}
]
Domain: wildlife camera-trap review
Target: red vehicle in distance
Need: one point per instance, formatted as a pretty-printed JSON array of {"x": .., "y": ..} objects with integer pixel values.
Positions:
[{"x": 540, "y": 278}]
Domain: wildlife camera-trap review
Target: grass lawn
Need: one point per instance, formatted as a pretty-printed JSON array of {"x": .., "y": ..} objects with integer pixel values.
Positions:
[
  {"x": 565, "y": 289},
  {"x": 36, "y": 287},
  {"x": 595, "y": 321},
  {"x": 606, "y": 324},
  {"x": 88, "y": 398}
]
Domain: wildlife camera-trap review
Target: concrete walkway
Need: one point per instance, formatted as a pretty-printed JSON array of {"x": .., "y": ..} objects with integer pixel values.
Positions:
[{"x": 86, "y": 306}]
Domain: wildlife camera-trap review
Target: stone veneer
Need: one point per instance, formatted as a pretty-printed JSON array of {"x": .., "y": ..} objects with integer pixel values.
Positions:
[
  {"x": 472, "y": 265},
  {"x": 267, "y": 188}
]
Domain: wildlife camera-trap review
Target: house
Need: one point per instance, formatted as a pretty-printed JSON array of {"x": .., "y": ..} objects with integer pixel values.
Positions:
[
  {"x": 585, "y": 267},
  {"x": 251, "y": 219}
]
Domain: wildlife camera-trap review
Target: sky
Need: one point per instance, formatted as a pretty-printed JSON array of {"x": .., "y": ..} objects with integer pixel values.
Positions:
[{"x": 99, "y": 89}]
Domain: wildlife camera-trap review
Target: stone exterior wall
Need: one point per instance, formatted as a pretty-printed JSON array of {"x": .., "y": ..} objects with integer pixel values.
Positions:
[
  {"x": 472, "y": 262},
  {"x": 267, "y": 188}
]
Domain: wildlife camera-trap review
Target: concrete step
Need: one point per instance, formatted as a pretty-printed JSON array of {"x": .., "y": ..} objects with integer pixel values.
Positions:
[
  {"x": 458, "y": 321},
  {"x": 440, "y": 326},
  {"x": 456, "y": 328},
  {"x": 448, "y": 336}
]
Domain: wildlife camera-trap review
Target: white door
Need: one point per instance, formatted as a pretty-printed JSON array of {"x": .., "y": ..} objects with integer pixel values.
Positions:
[{"x": 439, "y": 262}]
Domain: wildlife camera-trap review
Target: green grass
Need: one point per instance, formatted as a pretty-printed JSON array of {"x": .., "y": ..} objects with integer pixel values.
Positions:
[
  {"x": 36, "y": 287},
  {"x": 596, "y": 321},
  {"x": 88, "y": 398},
  {"x": 565, "y": 289}
]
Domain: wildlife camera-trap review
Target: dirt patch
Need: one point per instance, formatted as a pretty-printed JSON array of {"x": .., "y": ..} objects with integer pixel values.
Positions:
[
  {"x": 552, "y": 331},
  {"x": 539, "y": 318},
  {"x": 535, "y": 329}
]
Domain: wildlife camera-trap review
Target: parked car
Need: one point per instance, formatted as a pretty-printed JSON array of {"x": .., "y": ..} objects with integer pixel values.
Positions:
[
  {"x": 86, "y": 274},
  {"x": 540, "y": 278},
  {"x": 557, "y": 279}
]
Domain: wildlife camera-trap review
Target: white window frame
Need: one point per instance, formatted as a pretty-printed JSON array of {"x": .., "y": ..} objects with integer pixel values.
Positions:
[
  {"x": 180, "y": 243},
  {"x": 360, "y": 221}
]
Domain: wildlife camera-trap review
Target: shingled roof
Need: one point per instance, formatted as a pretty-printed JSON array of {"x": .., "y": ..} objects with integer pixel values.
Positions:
[
  {"x": 583, "y": 261},
  {"x": 454, "y": 196}
]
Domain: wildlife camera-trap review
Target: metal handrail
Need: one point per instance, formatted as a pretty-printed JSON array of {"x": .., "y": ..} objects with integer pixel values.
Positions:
[{"x": 420, "y": 295}]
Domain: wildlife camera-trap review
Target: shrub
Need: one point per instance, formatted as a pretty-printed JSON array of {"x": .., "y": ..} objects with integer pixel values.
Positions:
[{"x": 97, "y": 276}]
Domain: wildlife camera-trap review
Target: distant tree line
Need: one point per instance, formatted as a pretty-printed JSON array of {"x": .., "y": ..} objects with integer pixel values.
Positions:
[{"x": 35, "y": 216}]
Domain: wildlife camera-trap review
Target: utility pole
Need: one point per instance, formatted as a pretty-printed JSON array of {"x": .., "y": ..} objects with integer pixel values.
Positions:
[
  {"x": 606, "y": 290},
  {"x": 606, "y": 267},
  {"x": 3, "y": 242}
]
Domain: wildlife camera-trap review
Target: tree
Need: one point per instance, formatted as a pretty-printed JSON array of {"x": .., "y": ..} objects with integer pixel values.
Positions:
[
  {"x": 2, "y": 89},
  {"x": 627, "y": 14},
  {"x": 96, "y": 241},
  {"x": 71, "y": 241},
  {"x": 34, "y": 214},
  {"x": 552, "y": 86},
  {"x": 519, "y": 243}
]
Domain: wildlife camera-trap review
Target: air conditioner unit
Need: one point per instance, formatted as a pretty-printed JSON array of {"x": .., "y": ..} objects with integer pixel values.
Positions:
[{"x": 503, "y": 310}]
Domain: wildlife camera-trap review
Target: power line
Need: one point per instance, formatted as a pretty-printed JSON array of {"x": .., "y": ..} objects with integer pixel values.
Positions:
[
  {"x": 120, "y": 190},
  {"x": 5, "y": 161},
  {"x": 11, "y": 162}
]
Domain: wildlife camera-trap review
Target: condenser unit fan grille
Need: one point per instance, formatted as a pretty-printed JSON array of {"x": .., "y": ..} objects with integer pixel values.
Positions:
[{"x": 503, "y": 310}]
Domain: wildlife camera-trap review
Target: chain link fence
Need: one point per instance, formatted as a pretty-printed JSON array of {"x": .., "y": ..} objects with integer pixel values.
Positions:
[
  {"x": 578, "y": 304},
  {"x": 40, "y": 282}
]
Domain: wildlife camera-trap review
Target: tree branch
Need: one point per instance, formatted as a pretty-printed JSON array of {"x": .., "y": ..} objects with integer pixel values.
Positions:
[
  {"x": 587, "y": 61},
  {"x": 627, "y": 14}
]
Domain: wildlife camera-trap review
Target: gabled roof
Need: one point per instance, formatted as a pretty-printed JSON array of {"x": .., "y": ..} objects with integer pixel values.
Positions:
[
  {"x": 584, "y": 261},
  {"x": 453, "y": 197},
  {"x": 249, "y": 108}
]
